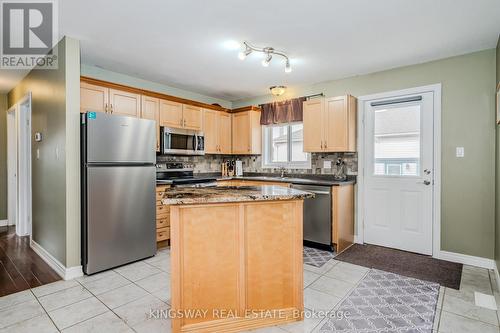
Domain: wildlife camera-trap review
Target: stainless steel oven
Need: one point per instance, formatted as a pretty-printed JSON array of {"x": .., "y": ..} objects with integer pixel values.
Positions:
[{"x": 177, "y": 141}]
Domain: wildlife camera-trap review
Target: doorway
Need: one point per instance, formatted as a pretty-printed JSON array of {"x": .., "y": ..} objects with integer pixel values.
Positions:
[
  {"x": 19, "y": 166},
  {"x": 399, "y": 156}
]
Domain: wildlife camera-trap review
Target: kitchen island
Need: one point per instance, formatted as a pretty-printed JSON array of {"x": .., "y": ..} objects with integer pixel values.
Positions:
[{"x": 236, "y": 257}]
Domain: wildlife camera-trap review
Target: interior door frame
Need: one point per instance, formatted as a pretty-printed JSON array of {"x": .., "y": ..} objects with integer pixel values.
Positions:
[
  {"x": 21, "y": 113},
  {"x": 360, "y": 184}
]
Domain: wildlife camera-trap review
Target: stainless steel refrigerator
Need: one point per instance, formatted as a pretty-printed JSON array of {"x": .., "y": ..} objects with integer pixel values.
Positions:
[{"x": 118, "y": 190}]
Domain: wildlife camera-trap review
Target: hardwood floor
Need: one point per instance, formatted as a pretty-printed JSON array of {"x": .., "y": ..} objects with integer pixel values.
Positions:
[{"x": 20, "y": 267}]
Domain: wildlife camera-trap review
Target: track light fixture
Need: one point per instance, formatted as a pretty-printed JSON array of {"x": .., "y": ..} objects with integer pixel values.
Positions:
[{"x": 268, "y": 51}]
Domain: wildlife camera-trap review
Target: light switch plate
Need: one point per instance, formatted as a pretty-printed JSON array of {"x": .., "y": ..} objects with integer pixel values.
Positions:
[
  {"x": 327, "y": 164},
  {"x": 460, "y": 152}
]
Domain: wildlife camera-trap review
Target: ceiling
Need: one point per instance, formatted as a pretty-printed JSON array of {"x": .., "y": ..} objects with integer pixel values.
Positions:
[{"x": 183, "y": 43}]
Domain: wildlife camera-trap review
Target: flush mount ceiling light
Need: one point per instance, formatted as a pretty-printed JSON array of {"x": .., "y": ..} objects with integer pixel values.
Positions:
[
  {"x": 277, "y": 90},
  {"x": 268, "y": 52}
]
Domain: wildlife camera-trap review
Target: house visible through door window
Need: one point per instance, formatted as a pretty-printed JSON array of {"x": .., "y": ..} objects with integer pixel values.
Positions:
[
  {"x": 284, "y": 147},
  {"x": 397, "y": 141}
]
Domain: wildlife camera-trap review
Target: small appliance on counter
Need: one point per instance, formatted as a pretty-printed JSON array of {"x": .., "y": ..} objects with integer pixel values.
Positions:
[
  {"x": 340, "y": 170},
  {"x": 230, "y": 168},
  {"x": 239, "y": 168}
]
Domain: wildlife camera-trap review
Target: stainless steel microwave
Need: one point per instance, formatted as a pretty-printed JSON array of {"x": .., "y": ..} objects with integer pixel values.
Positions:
[{"x": 177, "y": 141}]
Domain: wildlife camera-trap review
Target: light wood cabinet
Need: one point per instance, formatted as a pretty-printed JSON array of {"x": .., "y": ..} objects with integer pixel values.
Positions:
[
  {"x": 236, "y": 259},
  {"x": 170, "y": 114},
  {"x": 102, "y": 99},
  {"x": 246, "y": 133},
  {"x": 217, "y": 130},
  {"x": 343, "y": 217},
  {"x": 313, "y": 122},
  {"x": 177, "y": 115},
  {"x": 162, "y": 218},
  {"x": 192, "y": 117},
  {"x": 124, "y": 103},
  {"x": 93, "y": 98},
  {"x": 330, "y": 124},
  {"x": 151, "y": 110}
]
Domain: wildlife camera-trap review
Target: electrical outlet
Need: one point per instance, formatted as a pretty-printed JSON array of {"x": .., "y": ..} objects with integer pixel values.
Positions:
[
  {"x": 460, "y": 152},
  {"x": 327, "y": 164}
]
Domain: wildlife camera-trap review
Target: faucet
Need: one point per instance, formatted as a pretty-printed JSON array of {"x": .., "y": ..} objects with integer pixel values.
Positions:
[{"x": 282, "y": 172}]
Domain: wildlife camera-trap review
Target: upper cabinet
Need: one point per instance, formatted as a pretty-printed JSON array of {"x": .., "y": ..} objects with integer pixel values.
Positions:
[
  {"x": 192, "y": 117},
  {"x": 246, "y": 133},
  {"x": 124, "y": 103},
  {"x": 170, "y": 114},
  {"x": 93, "y": 98},
  {"x": 102, "y": 99},
  {"x": 173, "y": 114},
  {"x": 217, "y": 131},
  {"x": 151, "y": 110},
  {"x": 330, "y": 124}
]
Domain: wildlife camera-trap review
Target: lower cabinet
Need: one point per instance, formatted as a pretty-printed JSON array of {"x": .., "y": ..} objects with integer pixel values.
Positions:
[
  {"x": 162, "y": 218},
  {"x": 342, "y": 209},
  {"x": 342, "y": 217}
]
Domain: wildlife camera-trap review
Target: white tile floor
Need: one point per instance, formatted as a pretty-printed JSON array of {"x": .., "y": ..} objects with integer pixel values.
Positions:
[{"x": 120, "y": 300}]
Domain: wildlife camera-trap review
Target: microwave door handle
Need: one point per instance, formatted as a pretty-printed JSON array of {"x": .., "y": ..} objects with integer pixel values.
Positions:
[{"x": 195, "y": 143}]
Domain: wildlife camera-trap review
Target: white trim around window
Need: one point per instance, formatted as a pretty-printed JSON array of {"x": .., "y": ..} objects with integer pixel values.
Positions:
[{"x": 286, "y": 161}]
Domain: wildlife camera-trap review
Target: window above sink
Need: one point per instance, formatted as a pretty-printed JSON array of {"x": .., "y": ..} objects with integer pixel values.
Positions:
[{"x": 284, "y": 147}]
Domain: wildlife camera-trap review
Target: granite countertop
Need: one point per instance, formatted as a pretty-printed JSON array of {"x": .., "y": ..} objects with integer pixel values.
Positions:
[
  {"x": 305, "y": 179},
  {"x": 220, "y": 194}
]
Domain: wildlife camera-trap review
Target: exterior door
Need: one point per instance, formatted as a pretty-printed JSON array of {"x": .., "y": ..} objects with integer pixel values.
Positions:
[{"x": 398, "y": 171}]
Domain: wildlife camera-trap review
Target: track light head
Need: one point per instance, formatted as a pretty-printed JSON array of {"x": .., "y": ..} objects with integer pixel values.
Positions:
[
  {"x": 288, "y": 68},
  {"x": 243, "y": 54},
  {"x": 266, "y": 61}
]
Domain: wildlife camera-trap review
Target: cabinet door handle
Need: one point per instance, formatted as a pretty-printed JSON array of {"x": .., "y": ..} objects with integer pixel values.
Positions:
[
  {"x": 182, "y": 121},
  {"x": 105, "y": 107},
  {"x": 111, "y": 107}
]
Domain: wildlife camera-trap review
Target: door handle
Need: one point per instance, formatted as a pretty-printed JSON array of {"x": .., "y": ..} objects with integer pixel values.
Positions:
[
  {"x": 427, "y": 171},
  {"x": 425, "y": 182}
]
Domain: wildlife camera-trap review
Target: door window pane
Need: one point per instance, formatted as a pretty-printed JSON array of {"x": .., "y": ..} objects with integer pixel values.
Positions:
[{"x": 397, "y": 141}]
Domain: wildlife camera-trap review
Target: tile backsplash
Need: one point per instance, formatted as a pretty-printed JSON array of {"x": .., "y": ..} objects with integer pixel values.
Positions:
[{"x": 253, "y": 163}]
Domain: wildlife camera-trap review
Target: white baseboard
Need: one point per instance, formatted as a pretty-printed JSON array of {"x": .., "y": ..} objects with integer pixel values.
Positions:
[
  {"x": 466, "y": 259},
  {"x": 4, "y": 223},
  {"x": 61, "y": 270},
  {"x": 358, "y": 240},
  {"x": 497, "y": 276}
]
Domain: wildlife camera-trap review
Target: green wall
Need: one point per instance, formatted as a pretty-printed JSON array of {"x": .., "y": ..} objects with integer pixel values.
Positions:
[
  {"x": 105, "y": 75},
  {"x": 497, "y": 182},
  {"x": 3, "y": 157},
  {"x": 55, "y": 113},
  {"x": 468, "y": 189}
]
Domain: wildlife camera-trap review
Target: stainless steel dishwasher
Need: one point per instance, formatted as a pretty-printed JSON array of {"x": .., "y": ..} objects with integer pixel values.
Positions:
[{"x": 317, "y": 216}]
